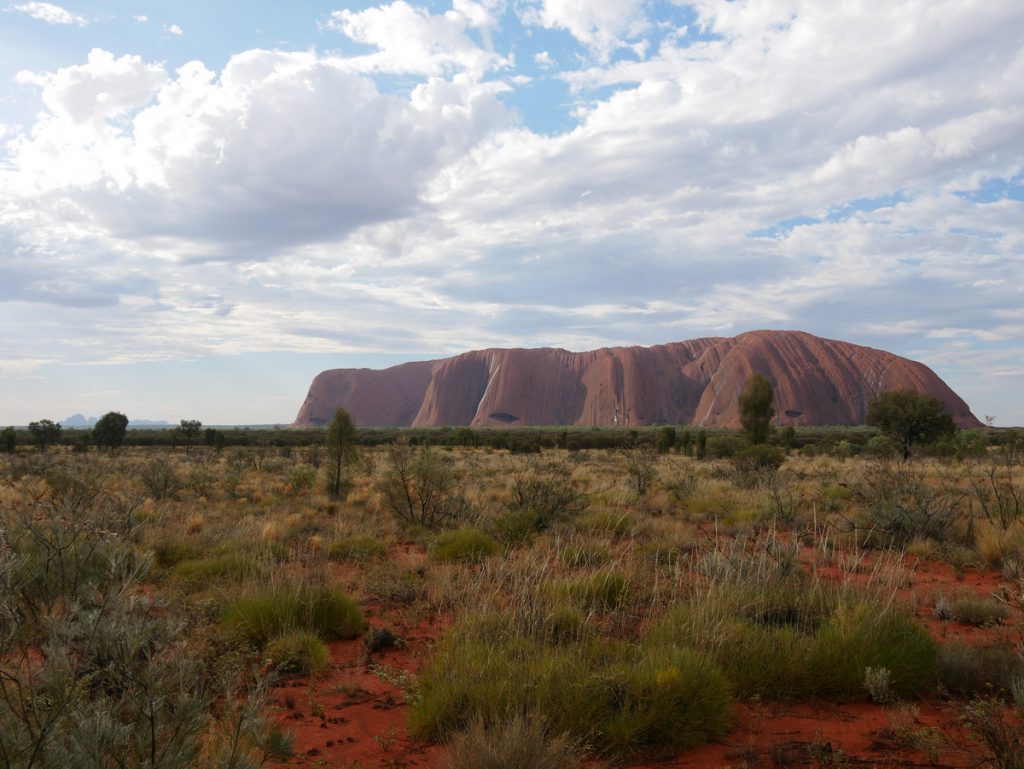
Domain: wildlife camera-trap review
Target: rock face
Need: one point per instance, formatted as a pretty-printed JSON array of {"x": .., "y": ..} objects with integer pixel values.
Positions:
[{"x": 817, "y": 382}]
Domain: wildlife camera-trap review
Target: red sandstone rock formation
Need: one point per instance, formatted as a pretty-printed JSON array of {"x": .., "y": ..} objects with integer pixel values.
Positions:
[{"x": 817, "y": 382}]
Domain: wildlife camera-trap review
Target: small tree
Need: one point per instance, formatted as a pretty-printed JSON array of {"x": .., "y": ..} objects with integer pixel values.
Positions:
[
  {"x": 686, "y": 441},
  {"x": 642, "y": 467},
  {"x": 756, "y": 412},
  {"x": 109, "y": 430},
  {"x": 8, "y": 440},
  {"x": 420, "y": 486},
  {"x": 189, "y": 429},
  {"x": 666, "y": 440},
  {"x": 910, "y": 418},
  {"x": 340, "y": 443},
  {"x": 44, "y": 432}
]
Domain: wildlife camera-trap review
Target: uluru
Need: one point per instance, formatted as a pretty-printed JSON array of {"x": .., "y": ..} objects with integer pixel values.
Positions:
[{"x": 696, "y": 382}]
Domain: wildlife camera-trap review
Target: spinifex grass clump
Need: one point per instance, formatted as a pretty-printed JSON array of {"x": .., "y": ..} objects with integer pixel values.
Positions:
[
  {"x": 260, "y": 616},
  {"x": 619, "y": 697},
  {"x": 777, "y": 631},
  {"x": 357, "y": 548},
  {"x": 511, "y": 744},
  {"x": 202, "y": 572},
  {"x": 298, "y": 651},
  {"x": 598, "y": 591},
  {"x": 467, "y": 544},
  {"x": 613, "y": 523},
  {"x": 584, "y": 554},
  {"x": 976, "y": 610},
  {"x": 864, "y": 634}
]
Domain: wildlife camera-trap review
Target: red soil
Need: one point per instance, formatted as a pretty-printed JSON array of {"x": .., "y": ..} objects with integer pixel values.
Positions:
[{"x": 356, "y": 716}]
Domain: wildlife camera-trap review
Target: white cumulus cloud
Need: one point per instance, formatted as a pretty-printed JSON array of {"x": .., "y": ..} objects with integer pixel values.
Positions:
[
  {"x": 412, "y": 40},
  {"x": 850, "y": 169},
  {"x": 103, "y": 87},
  {"x": 600, "y": 25},
  {"x": 277, "y": 149},
  {"x": 50, "y": 13}
]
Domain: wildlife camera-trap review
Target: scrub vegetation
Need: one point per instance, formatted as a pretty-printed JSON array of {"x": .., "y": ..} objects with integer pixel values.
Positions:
[{"x": 586, "y": 604}]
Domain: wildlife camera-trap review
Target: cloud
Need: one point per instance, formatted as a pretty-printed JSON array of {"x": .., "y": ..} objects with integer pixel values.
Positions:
[
  {"x": 600, "y": 25},
  {"x": 543, "y": 60},
  {"x": 50, "y": 13},
  {"x": 853, "y": 171},
  {"x": 414, "y": 41},
  {"x": 279, "y": 149},
  {"x": 173, "y": 29},
  {"x": 103, "y": 87}
]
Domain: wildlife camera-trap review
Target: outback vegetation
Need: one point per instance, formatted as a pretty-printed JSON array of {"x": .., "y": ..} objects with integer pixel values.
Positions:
[{"x": 364, "y": 602}]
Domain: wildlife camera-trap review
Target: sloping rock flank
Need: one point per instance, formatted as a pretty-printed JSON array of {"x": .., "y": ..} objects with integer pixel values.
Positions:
[{"x": 817, "y": 382}]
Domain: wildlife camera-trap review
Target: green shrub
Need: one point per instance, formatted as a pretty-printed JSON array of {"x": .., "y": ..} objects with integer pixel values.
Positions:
[
  {"x": 899, "y": 504},
  {"x": 302, "y": 477},
  {"x": 158, "y": 479},
  {"x": 758, "y": 659},
  {"x": 863, "y": 635},
  {"x": 122, "y": 682},
  {"x": 470, "y": 545},
  {"x": 760, "y": 458},
  {"x": 358, "y": 548},
  {"x": 518, "y": 526},
  {"x": 881, "y": 446},
  {"x": 803, "y": 644},
  {"x": 620, "y": 698},
  {"x": 421, "y": 487},
  {"x": 298, "y": 652},
  {"x": 260, "y": 616},
  {"x": 543, "y": 493},
  {"x": 723, "y": 446},
  {"x": 201, "y": 481}
]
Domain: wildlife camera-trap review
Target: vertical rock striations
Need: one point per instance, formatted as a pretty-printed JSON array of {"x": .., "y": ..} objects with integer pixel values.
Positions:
[{"x": 817, "y": 382}]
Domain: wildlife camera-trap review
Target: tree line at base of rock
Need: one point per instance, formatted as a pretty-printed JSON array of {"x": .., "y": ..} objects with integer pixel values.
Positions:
[{"x": 899, "y": 421}]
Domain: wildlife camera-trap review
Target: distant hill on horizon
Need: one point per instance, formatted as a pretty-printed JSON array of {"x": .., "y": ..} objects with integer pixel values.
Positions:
[
  {"x": 696, "y": 382},
  {"x": 80, "y": 420}
]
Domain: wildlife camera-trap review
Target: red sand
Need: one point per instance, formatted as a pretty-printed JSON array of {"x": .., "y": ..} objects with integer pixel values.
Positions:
[{"x": 356, "y": 716}]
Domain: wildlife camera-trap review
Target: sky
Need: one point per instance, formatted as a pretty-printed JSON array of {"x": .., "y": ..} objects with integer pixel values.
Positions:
[{"x": 202, "y": 205}]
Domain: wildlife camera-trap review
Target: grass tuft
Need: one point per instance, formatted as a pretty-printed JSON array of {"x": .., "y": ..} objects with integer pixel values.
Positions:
[
  {"x": 621, "y": 698},
  {"x": 298, "y": 652},
  {"x": 359, "y": 549},
  {"x": 514, "y": 743},
  {"x": 468, "y": 545},
  {"x": 261, "y": 616}
]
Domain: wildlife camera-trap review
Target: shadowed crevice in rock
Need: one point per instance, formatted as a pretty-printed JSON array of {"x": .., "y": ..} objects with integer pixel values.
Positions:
[{"x": 817, "y": 382}]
